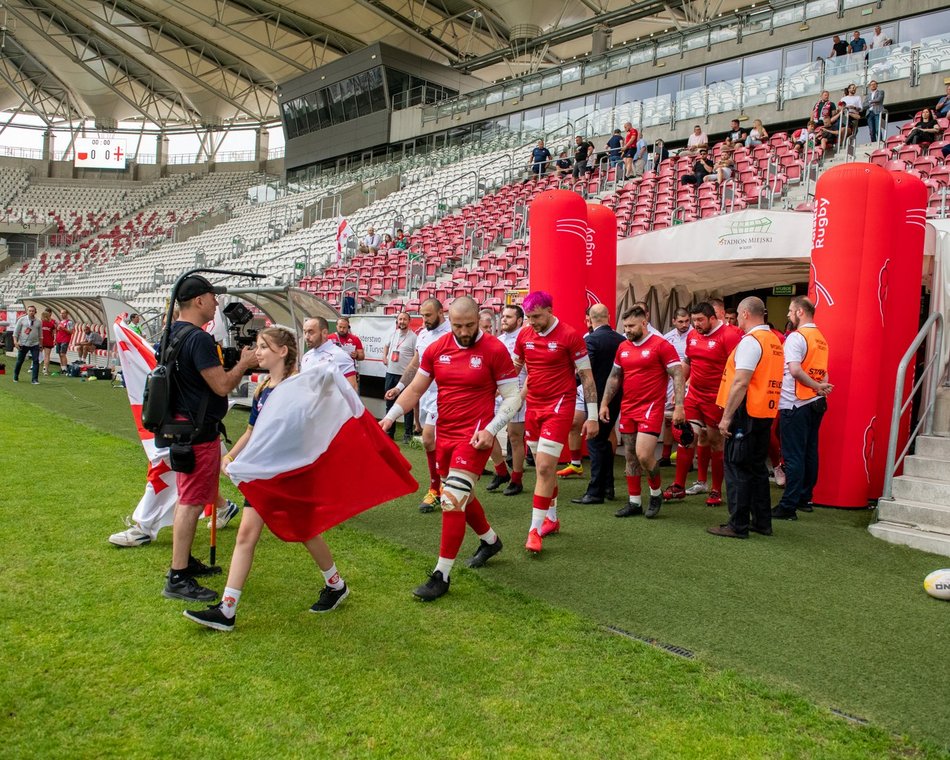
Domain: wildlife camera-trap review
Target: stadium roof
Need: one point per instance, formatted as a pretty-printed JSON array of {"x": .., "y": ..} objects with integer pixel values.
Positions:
[{"x": 214, "y": 62}]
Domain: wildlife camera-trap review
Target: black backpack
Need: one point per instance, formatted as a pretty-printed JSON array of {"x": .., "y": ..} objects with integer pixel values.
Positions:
[{"x": 157, "y": 414}]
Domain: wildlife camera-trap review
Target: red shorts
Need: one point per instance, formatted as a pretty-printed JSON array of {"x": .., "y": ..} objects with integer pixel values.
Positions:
[
  {"x": 702, "y": 411},
  {"x": 547, "y": 424},
  {"x": 633, "y": 426},
  {"x": 459, "y": 455},
  {"x": 643, "y": 418},
  {"x": 200, "y": 486}
]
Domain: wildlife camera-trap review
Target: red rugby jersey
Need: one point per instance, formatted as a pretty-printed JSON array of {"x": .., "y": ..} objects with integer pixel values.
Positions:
[
  {"x": 645, "y": 376},
  {"x": 550, "y": 361},
  {"x": 707, "y": 356}
]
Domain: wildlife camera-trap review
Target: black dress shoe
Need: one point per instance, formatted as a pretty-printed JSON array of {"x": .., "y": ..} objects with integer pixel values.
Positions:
[
  {"x": 609, "y": 494},
  {"x": 726, "y": 531},
  {"x": 784, "y": 514},
  {"x": 513, "y": 489},
  {"x": 587, "y": 499},
  {"x": 629, "y": 510},
  {"x": 809, "y": 507},
  {"x": 761, "y": 531}
]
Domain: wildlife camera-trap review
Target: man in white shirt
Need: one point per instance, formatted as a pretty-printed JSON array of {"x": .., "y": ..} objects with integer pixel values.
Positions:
[
  {"x": 512, "y": 319},
  {"x": 697, "y": 141},
  {"x": 26, "y": 340},
  {"x": 878, "y": 40},
  {"x": 316, "y": 331},
  {"x": 371, "y": 242},
  {"x": 398, "y": 353}
]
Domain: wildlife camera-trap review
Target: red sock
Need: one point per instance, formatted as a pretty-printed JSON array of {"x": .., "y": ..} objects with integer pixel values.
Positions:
[
  {"x": 702, "y": 463},
  {"x": 576, "y": 456},
  {"x": 542, "y": 502},
  {"x": 633, "y": 485},
  {"x": 717, "y": 469},
  {"x": 501, "y": 469},
  {"x": 475, "y": 517},
  {"x": 453, "y": 531},
  {"x": 667, "y": 450},
  {"x": 516, "y": 476},
  {"x": 434, "y": 480},
  {"x": 684, "y": 458},
  {"x": 656, "y": 481}
]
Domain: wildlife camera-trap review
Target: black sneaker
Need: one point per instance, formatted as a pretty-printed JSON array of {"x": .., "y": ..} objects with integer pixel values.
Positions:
[
  {"x": 654, "y": 509},
  {"x": 497, "y": 481},
  {"x": 629, "y": 510},
  {"x": 198, "y": 569},
  {"x": 188, "y": 590},
  {"x": 330, "y": 598},
  {"x": 484, "y": 553},
  {"x": 433, "y": 588},
  {"x": 783, "y": 514},
  {"x": 513, "y": 489},
  {"x": 809, "y": 507},
  {"x": 609, "y": 493},
  {"x": 212, "y": 617},
  {"x": 664, "y": 462}
]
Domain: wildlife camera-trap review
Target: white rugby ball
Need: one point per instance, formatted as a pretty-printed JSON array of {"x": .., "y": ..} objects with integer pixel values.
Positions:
[{"x": 937, "y": 584}]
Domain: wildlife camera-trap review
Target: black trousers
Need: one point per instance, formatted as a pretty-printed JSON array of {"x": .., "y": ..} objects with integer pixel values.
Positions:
[
  {"x": 602, "y": 458},
  {"x": 390, "y": 382},
  {"x": 747, "y": 477},
  {"x": 799, "y": 429},
  {"x": 34, "y": 352}
]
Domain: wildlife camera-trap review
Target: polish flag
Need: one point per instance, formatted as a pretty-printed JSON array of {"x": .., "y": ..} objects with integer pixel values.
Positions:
[
  {"x": 343, "y": 233},
  {"x": 317, "y": 457},
  {"x": 218, "y": 326},
  {"x": 156, "y": 508}
]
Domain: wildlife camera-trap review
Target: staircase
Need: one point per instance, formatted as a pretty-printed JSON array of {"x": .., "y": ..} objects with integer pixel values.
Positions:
[{"x": 919, "y": 514}]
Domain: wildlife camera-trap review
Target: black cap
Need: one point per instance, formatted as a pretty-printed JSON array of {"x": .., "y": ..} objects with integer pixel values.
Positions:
[{"x": 196, "y": 285}]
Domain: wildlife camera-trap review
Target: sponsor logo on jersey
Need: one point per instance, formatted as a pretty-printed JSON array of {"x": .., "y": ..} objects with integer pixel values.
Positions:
[
  {"x": 693, "y": 342},
  {"x": 624, "y": 354},
  {"x": 475, "y": 362},
  {"x": 445, "y": 359},
  {"x": 529, "y": 345}
]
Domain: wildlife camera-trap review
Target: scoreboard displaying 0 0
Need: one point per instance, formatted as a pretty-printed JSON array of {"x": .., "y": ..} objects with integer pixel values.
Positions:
[{"x": 99, "y": 153}]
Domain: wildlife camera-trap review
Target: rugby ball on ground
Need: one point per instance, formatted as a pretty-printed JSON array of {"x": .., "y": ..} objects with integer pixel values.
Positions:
[{"x": 937, "y": 584}]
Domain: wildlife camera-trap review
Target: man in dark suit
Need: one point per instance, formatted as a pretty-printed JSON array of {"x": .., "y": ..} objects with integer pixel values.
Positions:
[{"x": 602, "y": 343}]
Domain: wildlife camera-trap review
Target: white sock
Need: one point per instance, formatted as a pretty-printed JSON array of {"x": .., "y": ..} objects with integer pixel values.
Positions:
[
  {"x": 656, "y": 491},
  {"x": 575, "y": 462},
  {"x": 537, "y": 518},
  {"x": 444, "y": 566},
  {"x": 552, "y": 512},
  {"x": 636, "y": 500},
  {"x": 229, "y": 601},
  {"x": 489, "y": 536},
  {"x": 332, "y": 577}
]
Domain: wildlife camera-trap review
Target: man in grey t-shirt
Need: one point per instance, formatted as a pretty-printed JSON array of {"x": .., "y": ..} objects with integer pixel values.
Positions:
[
  {"x": 26, "y": 340},
  {"x": 398, "y": 353}
]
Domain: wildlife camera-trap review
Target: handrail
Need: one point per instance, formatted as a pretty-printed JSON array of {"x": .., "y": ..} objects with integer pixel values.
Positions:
[
  {"x": 926, "y": 416},
  {"x": 460, "y": 176},
  {"x": 478, "y": 170}
]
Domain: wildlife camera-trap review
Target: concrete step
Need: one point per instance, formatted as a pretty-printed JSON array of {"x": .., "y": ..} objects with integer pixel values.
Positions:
[
  {"x": 923, "y": 490},
  {"x": 924, "y": 467},
  {"x": 933, "y": 517},
  {"x": 933, "y": 447},
  {"x": 935, "y": 543}
]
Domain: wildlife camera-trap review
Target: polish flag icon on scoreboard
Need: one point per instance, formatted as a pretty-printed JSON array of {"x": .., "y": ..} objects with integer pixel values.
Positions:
[{"x": 100, "y": 153}]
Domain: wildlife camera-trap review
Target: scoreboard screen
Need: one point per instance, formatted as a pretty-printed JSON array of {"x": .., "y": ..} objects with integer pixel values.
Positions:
[{"x": 99, "y": 153}]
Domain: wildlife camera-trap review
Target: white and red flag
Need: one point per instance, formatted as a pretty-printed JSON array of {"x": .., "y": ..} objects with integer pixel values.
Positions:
[
  {"x": 317, "y": 457},
  {"x": 343, "y": 233},
  {"x": 156, "y": 508}
]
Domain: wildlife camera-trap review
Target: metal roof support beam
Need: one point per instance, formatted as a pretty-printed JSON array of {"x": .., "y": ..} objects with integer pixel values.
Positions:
[{"x": 401, "y": 22}]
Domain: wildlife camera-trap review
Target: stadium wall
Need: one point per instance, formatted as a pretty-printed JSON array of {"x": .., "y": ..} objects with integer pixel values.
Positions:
[{"x": 135, "y": 172}]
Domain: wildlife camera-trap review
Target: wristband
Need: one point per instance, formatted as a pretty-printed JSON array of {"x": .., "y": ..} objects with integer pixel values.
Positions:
[
  {"x": 229, "y": 457},
  {"x": 592, "y": 411},
  {"x": 400, "y": 386},
  {"x": 395, "y": 412}
]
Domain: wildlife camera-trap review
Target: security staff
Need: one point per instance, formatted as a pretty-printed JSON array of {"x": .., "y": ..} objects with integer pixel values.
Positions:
[
  {"x": 749, "y": 395},
  {"x": 802, "y": 405}
]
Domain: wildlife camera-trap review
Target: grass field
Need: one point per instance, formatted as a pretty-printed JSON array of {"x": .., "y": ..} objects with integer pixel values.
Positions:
[{"x": 516, "y": 661}]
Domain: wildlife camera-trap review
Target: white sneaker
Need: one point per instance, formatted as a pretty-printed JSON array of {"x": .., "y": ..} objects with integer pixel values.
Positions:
[
  {"x": 227, "y": 513},
  {"x": 132, "y": 536},
  {"x": 779, "y": 473},
  {"x": 697, "y": 488}
]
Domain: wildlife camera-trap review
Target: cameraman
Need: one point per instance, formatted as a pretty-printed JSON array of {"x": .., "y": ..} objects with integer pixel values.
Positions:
[{"x": 200, "y": 383}]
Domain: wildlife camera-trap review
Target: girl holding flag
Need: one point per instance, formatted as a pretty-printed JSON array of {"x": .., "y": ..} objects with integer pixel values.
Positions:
[{"x": 277, "y": 355}]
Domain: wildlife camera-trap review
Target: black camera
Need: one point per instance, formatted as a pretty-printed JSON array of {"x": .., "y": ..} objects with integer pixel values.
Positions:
[{"x": 238, "y": 315}]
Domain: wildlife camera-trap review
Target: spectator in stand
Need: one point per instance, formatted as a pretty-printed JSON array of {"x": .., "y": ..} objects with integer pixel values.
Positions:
[
  {"x": 582, "y": 151},
  {"x": 371, "y": 242},
  {"x": 824, "y": 107},
  {"x": 540, "y": 157},
  {"x": 629, "y": 153},
  {"x": 563, "y": 165},
  {"x": 398, "y": 352},
  {"x": 925, "y": 130},
  {"x": 640, "y": 156},
  {"x": 874, "y": 107},
  {"x": 91, "y": 343},
  {"x": 614, "y": 148},
  {"x": 350, "y": 343},
  {"x": 702, "y": 168},
  {"x": 387, "y": 241},
  {"x": 858, "y": 45},
  {"x": 401, "y": 242},
  {"x": 804, "y": 138},
  {"x": 854, "y": 104},
  {"x": 727, "y": 144},
  {"x": 64, "y": 334},
  {"x": 697, "y": 141},
  {"x": 878, "y": 40},
  {"x": 660, "y": 154},
  {"x": 839, "y": 47},
  {"x": 26, "y": 340},
  {"x": 828, "y": 135},
  {"x": 943, "y": 105},
  {"x": 757, "y": 135},
  {"x": 724, "y": 166},
  {"x": 48, "y": 340},
  {"x": 736, "y": 133}
]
